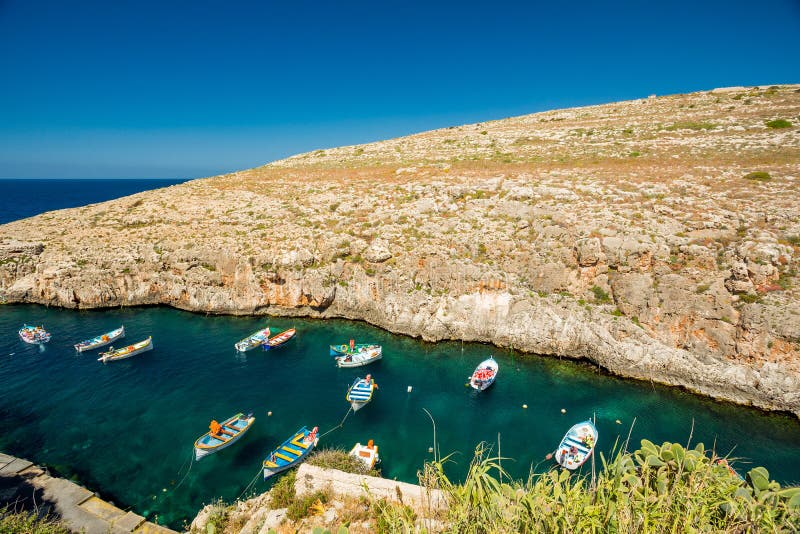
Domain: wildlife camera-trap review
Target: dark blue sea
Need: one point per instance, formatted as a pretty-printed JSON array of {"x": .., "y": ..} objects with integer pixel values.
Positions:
[
  {"x": 126, "y": 429},
  {"x": 25, "y": 198}
]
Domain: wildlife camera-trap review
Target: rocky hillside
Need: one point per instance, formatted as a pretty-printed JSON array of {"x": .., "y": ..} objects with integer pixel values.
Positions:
[{"x": 659, "y": 238}]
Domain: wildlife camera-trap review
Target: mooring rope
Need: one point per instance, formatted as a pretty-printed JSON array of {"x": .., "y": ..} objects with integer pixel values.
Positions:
[
  {"x": 339, "y": 425},
  {"x": 250, "y": 485},
  {"x": 191, "y": 463}
]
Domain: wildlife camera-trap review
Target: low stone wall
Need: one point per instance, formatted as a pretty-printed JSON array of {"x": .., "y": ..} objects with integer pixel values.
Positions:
[
  {"x": 311, "y": 478},
  {"x": 79, "y": 508}
]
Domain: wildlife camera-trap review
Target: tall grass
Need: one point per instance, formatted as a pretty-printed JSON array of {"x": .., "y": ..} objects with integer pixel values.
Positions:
[
  {"x": 29, "y": 523},
  {"x": 665, "y": 488}
]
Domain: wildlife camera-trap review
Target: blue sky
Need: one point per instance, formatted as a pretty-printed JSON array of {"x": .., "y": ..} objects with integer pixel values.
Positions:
[{"x": 183, "y": 89}]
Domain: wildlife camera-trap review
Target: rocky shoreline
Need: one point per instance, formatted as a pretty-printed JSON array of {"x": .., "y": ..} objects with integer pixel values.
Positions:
[{"x": 633, "y": 235}]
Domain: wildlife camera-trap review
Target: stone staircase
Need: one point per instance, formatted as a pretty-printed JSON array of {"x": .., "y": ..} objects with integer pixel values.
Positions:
[{"x": 79, "y": 508}]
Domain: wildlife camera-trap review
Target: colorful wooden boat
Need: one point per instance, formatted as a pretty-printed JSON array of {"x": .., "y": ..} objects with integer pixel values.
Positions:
[
  {"x": 360, "y": 393},
  {"x": 577, "y": 446},
  {"x": 364, "y": 357},
  {"x": 101, "y": 340},
  {"x": 367, "y": 454},
  {"x": 222, "y": 435},
  {"x": 280, "y": 339},
  {"x": 353, "y": 348},
  {"x": 35, "y": 335},
  {"x": 252, "y": 341},
  {"x": 291, "y": 452},
  {"x": 126, "y": 352},
  {"x": 485, "y": 374}
]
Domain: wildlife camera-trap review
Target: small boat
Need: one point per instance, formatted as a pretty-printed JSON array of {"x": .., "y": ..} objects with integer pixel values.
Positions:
[
  {"x": 352, "y": 348},
  {"x": 280, "y": 339},
  {"x": 292, "y": 452},
  {"x": 368, "y": 454},
  {"x": 222, "y": 435},
  {"x": 35, "y": 335},
  {"x": 126, "y": 352},
  {"x": 253, "y": 340},
  {"x": 101, "y": 340},
  {"x": 360, "y": 393},
  {"x": 577, "y": 445},
  {"x": 485, "y": 374},
  {"x": 364, "y": 357}
]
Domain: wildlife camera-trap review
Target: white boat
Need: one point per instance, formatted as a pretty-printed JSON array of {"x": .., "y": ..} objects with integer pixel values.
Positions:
[
  {"x": 256, "y": 339},
  {"x": 101, "y": 340},
  {"x": 577, "y": 446},
  {"x": 126, "y": 352},
  {"x": 360, "y": 393},
  {"x": 367, "y": 454},
  {"x": 358, "y": 359},
  {"x": 485, "y": 374},
  {"x": 35, "y": 335},
  {"x": 222, "y": 435}
]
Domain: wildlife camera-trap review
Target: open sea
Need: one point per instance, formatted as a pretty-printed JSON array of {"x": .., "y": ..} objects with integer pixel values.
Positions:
[{"x": 126, "y": 429}]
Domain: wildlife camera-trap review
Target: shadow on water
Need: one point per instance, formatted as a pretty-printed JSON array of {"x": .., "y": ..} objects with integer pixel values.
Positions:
[{"x": 126, "y": 428}]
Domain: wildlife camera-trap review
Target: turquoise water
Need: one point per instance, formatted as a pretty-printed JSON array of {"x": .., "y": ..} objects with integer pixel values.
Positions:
[{"x": 126, "y": 429}]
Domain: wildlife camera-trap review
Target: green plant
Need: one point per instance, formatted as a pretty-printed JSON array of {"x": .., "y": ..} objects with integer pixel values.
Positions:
[
  {"x": 282, "y": 493},
  {"x": 341, "y": 460},
  {"x": 759, "y": 176},
  {"x": 302, "y": 504},
  {"x": 778, "y": 123},
  {"x": 29, "y": 523},
  {"x": 600, "y": 296}
]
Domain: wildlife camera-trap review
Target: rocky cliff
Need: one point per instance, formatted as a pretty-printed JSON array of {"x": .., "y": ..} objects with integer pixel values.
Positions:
[{"x": 658, "y": 238}]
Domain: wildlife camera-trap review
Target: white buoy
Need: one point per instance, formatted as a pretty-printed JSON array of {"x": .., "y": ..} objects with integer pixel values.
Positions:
[
  {"x": 525, "y": 406},
  {"x": 409, "y": 389},
  {"x": 269, "y": 414},
  {"x": 563, "y": 410},
  {"x": 430, "y": 449},
  {"x": 618, "y": 422}
]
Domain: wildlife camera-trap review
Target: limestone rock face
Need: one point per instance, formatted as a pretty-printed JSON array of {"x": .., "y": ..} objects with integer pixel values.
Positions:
[
  {"x": 542, "y": 232},
  {"x": 378, "y": 251}
]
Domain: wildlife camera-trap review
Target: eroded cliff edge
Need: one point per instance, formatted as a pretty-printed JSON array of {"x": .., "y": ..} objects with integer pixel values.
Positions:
[{"x": 633, "y": 234}]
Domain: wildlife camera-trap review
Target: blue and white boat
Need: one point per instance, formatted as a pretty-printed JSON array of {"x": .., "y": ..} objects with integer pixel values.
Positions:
[
  {"x": 360, "y": 393},
  {"x": 222, "y": 435},
  {"x": 256, "y": 339},
  {"x": 577, "y": 446},
  {"x": 291, "y": 452},
  {"x": 101, "y": 341}
]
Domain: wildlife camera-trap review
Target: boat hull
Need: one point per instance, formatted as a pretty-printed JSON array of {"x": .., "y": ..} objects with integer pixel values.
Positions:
[
  {"x": 366, "y": 454},
  {"x": 110, "y": 357},
  {"x": 201, "y": 450},
  {"x": 256, "y": 339},
  {"x": 280, "y": 340},
  {"x": 483, "y": 384},
  {"x": 290, "y": 453},
  {"x": 357, "y": 360},
  {"x": 39, "y": 339},
  {"x": 111, "y": 337},
  {"x": 574, "y": 449}
]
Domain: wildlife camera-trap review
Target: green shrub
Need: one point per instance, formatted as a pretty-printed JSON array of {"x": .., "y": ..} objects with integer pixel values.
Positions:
[
  {"x": 341, "y": 460},
  {"x": 282, "y": 493},
  {"x": 299, "y": 508},
  {"x": 657, "y": 488},
  {"x": 778, "y": 123},
  {"x": 29, "y": 523},
  {"x": 759, "y": 176},
  {"x": 600, "y": 296}
]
